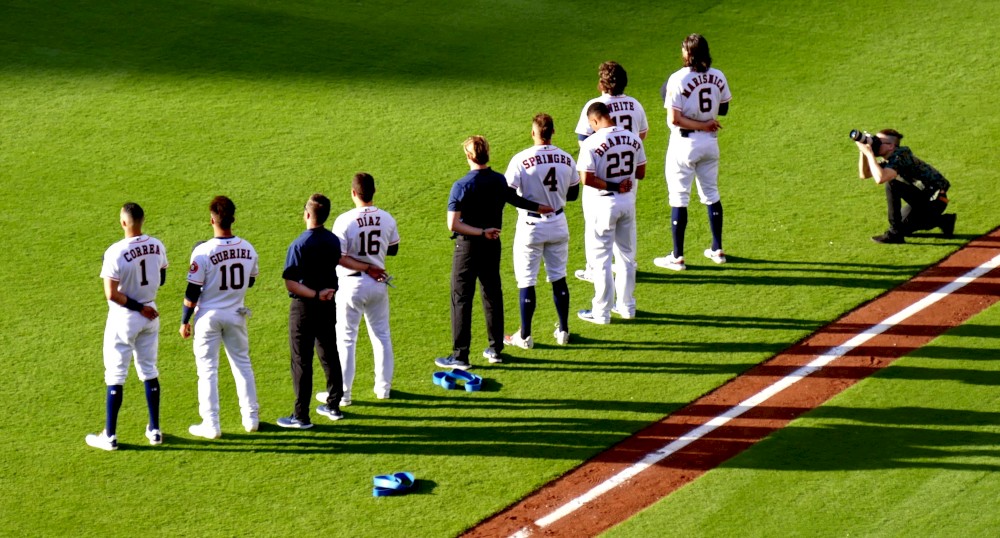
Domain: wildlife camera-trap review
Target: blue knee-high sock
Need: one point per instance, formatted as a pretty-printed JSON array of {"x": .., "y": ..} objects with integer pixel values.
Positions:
[
  {"x": 114, "y": 403},
  {"x": 678, "y": 225},
  {"x": 527, "y": 310},
  {"x": 715, "y": 223},
  {"x": 153, "y": 402},
  {"x": 560, "y": 295}
]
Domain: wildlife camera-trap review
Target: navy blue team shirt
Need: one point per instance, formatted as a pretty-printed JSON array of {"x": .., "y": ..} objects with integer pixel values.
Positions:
[
  {"x": 480, "y": 196},
  {"x": 312, "y": 259}
]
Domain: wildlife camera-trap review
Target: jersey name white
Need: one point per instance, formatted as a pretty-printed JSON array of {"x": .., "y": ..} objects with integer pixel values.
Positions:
[
  {"x": 697, "y": 95},
  {"x": 626, "y": 111},
  {"x": 223, "y": 268},
  {"x": 365, "y": 234},
  {"x": 135, "y": 262},
  {"x": 612, "y": 154},
  {"x": 542, "y": 174}
]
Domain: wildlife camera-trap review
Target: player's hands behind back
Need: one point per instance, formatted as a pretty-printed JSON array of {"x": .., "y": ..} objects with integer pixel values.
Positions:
[
  {"x": 377, "y": 273},
  {"x": 545, "y": 209},
  {"x": 149, "y": 312}
]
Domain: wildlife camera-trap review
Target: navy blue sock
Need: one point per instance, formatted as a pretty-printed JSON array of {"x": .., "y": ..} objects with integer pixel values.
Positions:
[
  {"x": 527, "y": 310},
  {"x": 153, "y": 402},
  {"x": 560, "y": 294},
  {"x": 113, "y": 405},
  {"x": 678, "y": 225},
  {"x": 715, "y": 223}
]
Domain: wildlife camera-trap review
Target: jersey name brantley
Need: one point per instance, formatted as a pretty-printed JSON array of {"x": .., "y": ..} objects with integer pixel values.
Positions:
[
  {"x": 617, "y": 140},
  {"x": 704, "y": 78},
  {"x": 230, "y": 254}
]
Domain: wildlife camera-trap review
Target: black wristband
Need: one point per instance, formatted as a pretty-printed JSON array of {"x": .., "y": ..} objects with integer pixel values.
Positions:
[
  {"x": 186, "y": 314},
  {"x": 611, "y": 186},
  {"x": 132, "y": 304}
]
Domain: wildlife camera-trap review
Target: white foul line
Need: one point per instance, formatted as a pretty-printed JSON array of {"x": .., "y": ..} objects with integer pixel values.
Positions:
[{"x": 819, "y": 362}]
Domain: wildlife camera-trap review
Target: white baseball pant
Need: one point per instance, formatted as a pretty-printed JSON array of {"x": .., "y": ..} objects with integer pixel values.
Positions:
[
  {"x": 128, "y": 335},
  {"x": 688, "y": 159},
  {"x": 536, "y": 239},
  {"x": 228, "y": 328},
  {"x": 610, "y": 223},
  {"x": 357, "y": 296}
]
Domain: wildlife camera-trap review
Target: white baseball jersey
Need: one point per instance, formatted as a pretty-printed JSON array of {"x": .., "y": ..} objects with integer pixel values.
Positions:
[
  {"x": 697, "y": 95},
  {"x": 223, "y": 268},
  {"x": 365, "y": 234},
  {"x": 612, "y": 154},
  {"x": 626, "y": 111},
  {"x": 542, "y": 174},
  {"x": 135, "y": 262}
]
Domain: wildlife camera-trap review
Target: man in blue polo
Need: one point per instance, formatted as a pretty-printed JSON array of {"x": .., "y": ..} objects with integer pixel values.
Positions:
[{"x": 475, "y": 216}]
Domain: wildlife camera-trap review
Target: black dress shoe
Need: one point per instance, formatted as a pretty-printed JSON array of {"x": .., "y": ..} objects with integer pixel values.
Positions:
[{"x": 889, "y": 239}]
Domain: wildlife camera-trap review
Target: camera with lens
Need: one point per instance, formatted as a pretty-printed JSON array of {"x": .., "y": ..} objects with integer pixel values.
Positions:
[{"x": 866, "y": 138}]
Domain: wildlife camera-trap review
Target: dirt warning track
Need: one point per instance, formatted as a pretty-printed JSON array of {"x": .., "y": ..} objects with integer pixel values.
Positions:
[{"x": 668, "y": 454}]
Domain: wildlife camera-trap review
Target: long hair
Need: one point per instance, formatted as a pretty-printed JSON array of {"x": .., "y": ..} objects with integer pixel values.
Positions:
[{"x": 696, "y": 55}]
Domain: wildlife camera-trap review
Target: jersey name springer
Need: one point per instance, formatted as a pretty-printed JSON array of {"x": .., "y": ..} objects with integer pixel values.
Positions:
[{"x": 546, "y": 158}]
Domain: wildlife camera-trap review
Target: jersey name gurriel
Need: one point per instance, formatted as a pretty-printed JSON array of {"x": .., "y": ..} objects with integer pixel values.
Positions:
[
  {"x": 702, "y": 79},
  {"x": 547, "y": 158},
  {"x": 141, "y": 250},
  {"x": 230, "y": 254},
  {"x": 617, "y": 140}
]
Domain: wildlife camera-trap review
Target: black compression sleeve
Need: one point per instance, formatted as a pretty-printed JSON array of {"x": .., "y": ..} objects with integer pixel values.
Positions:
[
  {"x": 192, "y": 293},
  {"x": 393, "y": 250},
  {"x": 253, "y": 280},
  {"x": 163, "y": 276},
  {"x": 724, "y": 109},
  {"x": 573, "y": 193},
  {"x": 132, "y": 304},
  {"x": 517, "y": 201}
]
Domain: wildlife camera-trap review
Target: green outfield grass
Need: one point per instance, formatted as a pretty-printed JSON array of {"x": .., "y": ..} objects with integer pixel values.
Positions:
[
  {"x": 911, "y": 451},
  {"x": 171, "y": 103}
]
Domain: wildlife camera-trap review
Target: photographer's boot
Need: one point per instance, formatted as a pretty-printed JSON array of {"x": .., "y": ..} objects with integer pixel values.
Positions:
[
  {"x": 947, "y": 224},
  {"x": 889, "y": 238}
]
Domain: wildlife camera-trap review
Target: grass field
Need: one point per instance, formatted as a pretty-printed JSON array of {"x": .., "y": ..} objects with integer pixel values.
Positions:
[{"x": 171, "y": 103}]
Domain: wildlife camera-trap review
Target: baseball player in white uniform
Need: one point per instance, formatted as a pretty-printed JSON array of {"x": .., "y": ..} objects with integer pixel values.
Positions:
[
  {"x": 545, "y": 174},
  {"x": 222, "y": 269},
  {"x": 611, "y": 161},
  {"x": 694, "y": 97},
  {"x": 133, "y": 270},
  {"x": 626, "y": 112},
  {"x": 367, "y": 234}
]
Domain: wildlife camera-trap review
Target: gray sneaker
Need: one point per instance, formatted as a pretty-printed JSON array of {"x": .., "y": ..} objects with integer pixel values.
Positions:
[
  {"x": 332, "y": 414},
  {"x": 491, "y": 355},
  {"x": 452, "y": 362},
  {"x": 294, "y": 423}
]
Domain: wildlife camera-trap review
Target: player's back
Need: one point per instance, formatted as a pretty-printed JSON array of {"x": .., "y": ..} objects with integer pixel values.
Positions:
[
  {"x": 543, "y": 174},
  {"x": 697, "y": 95},
  {"x": 613, "y": 154},
  {"x": 365, "y": 234},
  {"x": 625, "y": 110},
  {"x": 135, "y": 262},
  {"x": 223, "y": 268}
]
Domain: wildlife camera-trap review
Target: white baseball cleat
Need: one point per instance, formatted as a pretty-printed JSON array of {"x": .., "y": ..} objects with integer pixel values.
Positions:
[
  {"x": 204, "y": 430},
  {"x": 102, "y": 441},
  {"x": 250, "y": 424},
  {"x": 716, "y": 256},
  {"x": 380, "y": 394},
  {"x": 624, "y": 313},
  {"x": 562, "y": 337},
  {"x": 588, "y": 315},
  {"x": 670, "y": 262},
  {"x": 155, "y": 436},
  {"x": 516, "y": 340},
  {"x": 583, "y": 275}
]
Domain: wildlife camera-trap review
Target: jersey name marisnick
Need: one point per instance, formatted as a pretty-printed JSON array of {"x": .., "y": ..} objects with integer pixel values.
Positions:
[
  {"x": 547, "y": 158},
  {"x": 617, "y": 140},
  {"x": 701, "y": 79},
  {"x": 142, "y": 250},
  {"x": 230, "y": 254}
]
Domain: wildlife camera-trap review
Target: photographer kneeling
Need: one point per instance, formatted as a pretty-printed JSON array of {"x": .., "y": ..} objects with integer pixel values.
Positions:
[{"x": 917, "y": 183}]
